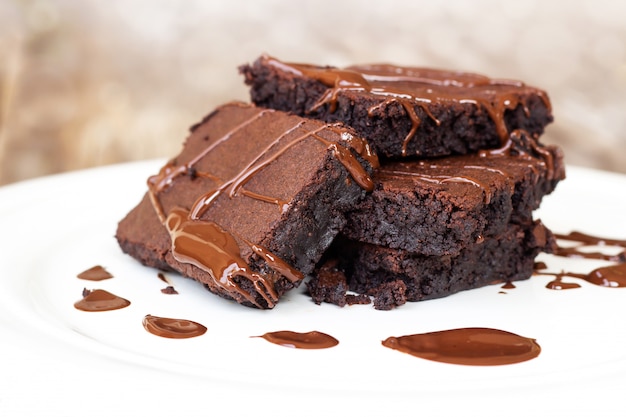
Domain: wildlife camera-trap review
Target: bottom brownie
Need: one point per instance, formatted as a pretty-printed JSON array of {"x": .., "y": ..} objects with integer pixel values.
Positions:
[{"x": 379, "y": 271}]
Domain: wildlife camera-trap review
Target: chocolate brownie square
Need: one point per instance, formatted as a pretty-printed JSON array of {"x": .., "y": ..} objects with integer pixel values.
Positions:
[
  {"x": 403, "y": 111},
  {"x": 371, "y": 269},
  {"x": 439, "y": 206},
  {"x": 251, "y": 203}
]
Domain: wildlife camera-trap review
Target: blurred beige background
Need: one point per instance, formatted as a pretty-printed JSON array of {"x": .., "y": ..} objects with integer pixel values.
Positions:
[{"x": 86, "y": 83}]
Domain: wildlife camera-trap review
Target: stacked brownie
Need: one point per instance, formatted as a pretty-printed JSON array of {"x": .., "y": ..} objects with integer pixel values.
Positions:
[
  {"x": 373, "y": 182},
  {"x": 462, "y": 170}
]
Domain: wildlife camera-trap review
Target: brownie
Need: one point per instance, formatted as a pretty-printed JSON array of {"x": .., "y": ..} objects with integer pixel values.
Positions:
[
  {"x": 504, "y": 258},
  {"x": 403, "y": 111},
  {"x": 438, "y": 206},
  {"x": 251, "y": 202}
]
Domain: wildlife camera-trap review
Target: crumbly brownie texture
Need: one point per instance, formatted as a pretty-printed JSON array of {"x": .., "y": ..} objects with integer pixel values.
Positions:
[
  {"x": 251, "y": 202},
  {"x": 370, "y": 269},
  {"x": 331, "y": 286},
  {"x": 439, "y": 206},
  {"x": 403, "y": 111}
]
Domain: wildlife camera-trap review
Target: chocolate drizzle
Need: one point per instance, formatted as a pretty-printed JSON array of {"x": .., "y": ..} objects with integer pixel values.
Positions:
[
  {"x": 207, "y": 246},
  {"x": 467, "y": 346},
  {"x": 422, "y": 88},
  {"x": 309, "y": 340},
  {"x": 200, "y": 242},
  {"x": 612, "y": 276}
]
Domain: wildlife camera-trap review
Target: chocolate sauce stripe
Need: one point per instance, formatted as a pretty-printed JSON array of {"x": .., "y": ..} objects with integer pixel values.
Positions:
[{"x": 408, "y": 104}]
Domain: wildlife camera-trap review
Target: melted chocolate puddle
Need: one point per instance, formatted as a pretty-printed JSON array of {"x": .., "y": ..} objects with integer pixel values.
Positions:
[
  {"x": 96, "y": 273},
  {"x": 173, "y": 328},
  {"x": 309, "y": 340},
  {"x": 508, "y": 285},
  {"x": 100, "y": 300},
  {"x": 467, "y": 346}
]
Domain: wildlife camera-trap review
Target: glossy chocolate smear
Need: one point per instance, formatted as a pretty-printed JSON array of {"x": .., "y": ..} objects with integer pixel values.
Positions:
[
  {"x": 467, "y": 346},
  {"x": 173, "y": 328},
  {"x": 95, "y": 273},
  {"x": 209, "y": 247},
  {"x": 608, "y": 276},
  {"x": 101, "y": 300},
  {"x": 309, "y": 340}
]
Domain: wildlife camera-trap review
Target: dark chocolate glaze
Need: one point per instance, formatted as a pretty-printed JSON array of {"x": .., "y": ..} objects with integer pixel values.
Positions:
[
  {"x": 100, "y": 300},
  {"x": 208, "y": 246},
  {"x": 413, "y": 87},
  {"x": 95, "y": 273},
  {"x": 309, "y": 340},
  {"x": 467, "y": 346},
  {"x": 173, "y": 328}
]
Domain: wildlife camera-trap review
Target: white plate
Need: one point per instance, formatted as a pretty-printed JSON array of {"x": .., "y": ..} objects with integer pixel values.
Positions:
[{"x": 58, "y": 361}]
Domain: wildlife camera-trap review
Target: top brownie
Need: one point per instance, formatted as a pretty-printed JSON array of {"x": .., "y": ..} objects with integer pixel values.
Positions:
[
  {"x": 251, "y": 202},
  {"x": 403, "y": 111}
]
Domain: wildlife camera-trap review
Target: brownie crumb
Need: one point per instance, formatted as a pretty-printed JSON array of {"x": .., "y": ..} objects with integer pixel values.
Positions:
[
  {"x": 328, "y": 285},
  {"x": 169, "y": 290},
  {"x": 352, "y": 299},
  {"x": 389, "y": 295}
]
